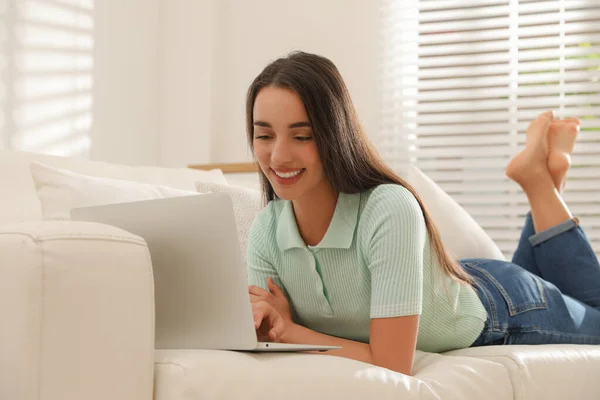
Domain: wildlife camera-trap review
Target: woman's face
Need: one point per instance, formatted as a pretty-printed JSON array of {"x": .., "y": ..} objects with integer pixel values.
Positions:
[{"x": 284, "y": 145}]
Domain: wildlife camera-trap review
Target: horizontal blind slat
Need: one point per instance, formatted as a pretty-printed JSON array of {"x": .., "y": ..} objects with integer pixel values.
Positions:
[
  {"x": 462, "y": 81},
  {"x": 464, "y": 13}
]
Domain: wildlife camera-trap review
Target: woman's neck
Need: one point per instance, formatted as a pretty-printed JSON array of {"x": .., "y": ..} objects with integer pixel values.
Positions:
[{"x": 314, "y": 212}]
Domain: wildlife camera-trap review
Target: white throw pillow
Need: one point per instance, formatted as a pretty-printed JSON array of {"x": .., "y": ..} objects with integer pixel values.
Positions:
[
  {"x": 461, "y": 234},
  {"x": 247, "y": 202},
  {"x": 60, "y": 191}
]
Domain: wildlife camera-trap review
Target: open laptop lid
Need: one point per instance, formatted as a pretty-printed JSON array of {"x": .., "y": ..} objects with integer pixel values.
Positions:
[{"x": 201, "y": 291}]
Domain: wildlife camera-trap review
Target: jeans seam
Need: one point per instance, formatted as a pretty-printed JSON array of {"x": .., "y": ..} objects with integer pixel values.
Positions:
[
  {"x": 493, "y": 313},
  {"x": 542, "y": 291},
  {"x": 579, "y": 335},
  {"x": 497, "y": 284}
]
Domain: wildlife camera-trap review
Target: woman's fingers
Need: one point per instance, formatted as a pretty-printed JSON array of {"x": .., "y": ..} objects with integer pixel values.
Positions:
[
  {"x": 277, "y": 330},
  {"x": 254, "y": 298},
  {"x": 273, "y": 335},
  {"x": 267, "y": 321},
  {"x": 260, "y": 312},
  {"x": 258, "y": 294},
  {"x": 257, "y": 320},
  {"x": 258, "y": 291},
  {"x": 276, "y": 290}
]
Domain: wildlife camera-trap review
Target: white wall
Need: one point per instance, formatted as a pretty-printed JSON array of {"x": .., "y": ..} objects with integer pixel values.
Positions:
[
  {"x": 171, "y": 75},
  {"x": 126, "y": 73},
  {"x": 185, "y": 65},
  {"x": 152, "y": 75},
  {"x": 249, "y": 34}
]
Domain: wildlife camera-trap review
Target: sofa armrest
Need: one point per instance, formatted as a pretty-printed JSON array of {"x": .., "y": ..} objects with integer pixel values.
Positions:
[{"x": 76, "y": 313}]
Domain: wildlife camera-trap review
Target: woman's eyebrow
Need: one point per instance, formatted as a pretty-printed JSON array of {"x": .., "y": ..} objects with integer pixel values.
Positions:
[
  {"x": 261, "y": 123},
  {"x": 300, "y": 124}
]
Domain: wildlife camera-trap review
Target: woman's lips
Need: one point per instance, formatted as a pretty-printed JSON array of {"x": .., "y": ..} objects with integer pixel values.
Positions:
[{"x": 287, "y": 181}]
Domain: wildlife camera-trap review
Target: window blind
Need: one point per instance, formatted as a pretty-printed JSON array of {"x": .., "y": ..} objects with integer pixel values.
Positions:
[
  {"x": 461, "y": 81},
  {"x": 46, "y": 75}
]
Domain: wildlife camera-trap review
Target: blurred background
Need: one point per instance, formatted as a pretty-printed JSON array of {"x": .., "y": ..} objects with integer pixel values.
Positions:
[{"x": 449, "y": 85}]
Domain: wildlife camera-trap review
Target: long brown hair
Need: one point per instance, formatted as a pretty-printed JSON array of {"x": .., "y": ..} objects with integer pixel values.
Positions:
[{"x": 349, "y": 160}]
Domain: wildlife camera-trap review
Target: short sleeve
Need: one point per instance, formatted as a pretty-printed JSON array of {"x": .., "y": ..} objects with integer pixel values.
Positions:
[
  {"x": 394, "y": 240},
  {"x": 260, "y": 264}
]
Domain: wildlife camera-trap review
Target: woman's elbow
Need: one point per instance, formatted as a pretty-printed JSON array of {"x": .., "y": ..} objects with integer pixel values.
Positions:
[{"x": 396, "y": 364}]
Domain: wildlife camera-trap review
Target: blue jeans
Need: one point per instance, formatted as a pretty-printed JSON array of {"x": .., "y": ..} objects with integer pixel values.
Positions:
[{"x": 550, "y": 293}]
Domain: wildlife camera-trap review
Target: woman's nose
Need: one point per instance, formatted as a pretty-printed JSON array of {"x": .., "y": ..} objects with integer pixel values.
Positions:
[{"x": 281, "y": 153}]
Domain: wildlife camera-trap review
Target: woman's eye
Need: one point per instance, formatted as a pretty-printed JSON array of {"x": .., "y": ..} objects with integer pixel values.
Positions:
[
  {"x": 303, "y": 138},
  {"x": 261, "y": 137}
]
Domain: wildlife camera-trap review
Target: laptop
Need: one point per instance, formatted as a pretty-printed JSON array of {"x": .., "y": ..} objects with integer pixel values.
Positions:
[{"x": 201, "y": 291}]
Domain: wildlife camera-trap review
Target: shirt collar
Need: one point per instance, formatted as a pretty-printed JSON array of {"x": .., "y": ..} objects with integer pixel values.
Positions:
[{"x": 340, "y": 232}]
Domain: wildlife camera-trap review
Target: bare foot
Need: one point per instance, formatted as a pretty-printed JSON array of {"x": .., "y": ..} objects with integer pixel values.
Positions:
[
  {"x": 531, "y": 163},
  {"x": 561, "y": 140}
]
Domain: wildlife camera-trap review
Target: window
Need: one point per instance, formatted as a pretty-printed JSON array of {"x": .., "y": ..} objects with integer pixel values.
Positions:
[
  {"x": 46, "y": 76},
  {"x": 462, "y": 80}
]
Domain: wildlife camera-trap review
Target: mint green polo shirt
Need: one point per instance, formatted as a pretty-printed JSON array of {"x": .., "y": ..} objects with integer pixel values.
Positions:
[{"x": 373, "y": 262}]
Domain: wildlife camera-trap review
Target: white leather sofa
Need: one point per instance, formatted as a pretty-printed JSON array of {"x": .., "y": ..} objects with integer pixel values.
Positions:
[{"x": 77, "y": 322}]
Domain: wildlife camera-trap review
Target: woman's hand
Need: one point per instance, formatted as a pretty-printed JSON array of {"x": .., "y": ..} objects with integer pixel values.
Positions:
[
  {"x": 268, "y": 323},
  {"x": 274, "y": 296}
]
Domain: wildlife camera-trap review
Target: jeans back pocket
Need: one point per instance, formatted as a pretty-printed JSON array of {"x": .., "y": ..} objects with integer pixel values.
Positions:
[{"x": 521, "y": 290}]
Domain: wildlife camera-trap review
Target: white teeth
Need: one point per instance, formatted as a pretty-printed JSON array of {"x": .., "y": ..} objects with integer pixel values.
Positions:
[{"x": 287, "y": 175}]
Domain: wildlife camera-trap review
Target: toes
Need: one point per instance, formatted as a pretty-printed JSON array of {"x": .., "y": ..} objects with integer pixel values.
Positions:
[
  {"x": 539, "y": 127},
  {"x": 562, "y": 136},
  {"x": 570, "y": 127},
  {"x": 574, "y": 120}
]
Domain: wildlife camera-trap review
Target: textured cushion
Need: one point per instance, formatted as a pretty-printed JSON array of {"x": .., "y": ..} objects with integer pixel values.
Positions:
[
  {"x": 549, "y": 372},
  {"x": 247, "y": 203},
  {"x": 211, "y": 374},
  {"x": 461, "y": 234},
  {"x": 60, "y": 191}
]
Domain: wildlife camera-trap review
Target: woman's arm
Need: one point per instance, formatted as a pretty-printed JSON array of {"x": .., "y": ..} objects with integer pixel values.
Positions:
[
  {"x": 393, "y": 236},
  {"x": 260, "y": 266},
  {"x": 392, "y": 343},
  {"x": 359, "y": 351}
]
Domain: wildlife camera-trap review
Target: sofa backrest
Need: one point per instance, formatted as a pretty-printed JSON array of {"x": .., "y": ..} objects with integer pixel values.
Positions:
[{"x": 18, "y": 199}]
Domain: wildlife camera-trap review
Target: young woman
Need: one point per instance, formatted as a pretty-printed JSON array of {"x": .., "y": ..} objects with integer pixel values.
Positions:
[{"x": 346, "y": 254}]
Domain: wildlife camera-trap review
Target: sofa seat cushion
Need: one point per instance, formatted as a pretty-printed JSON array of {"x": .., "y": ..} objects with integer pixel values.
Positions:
[
  {"x": 546, "y": 371},
  {"x": 213, "y": 374}
]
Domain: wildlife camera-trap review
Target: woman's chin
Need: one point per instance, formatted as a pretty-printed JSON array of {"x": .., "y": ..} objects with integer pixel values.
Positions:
[
  {"x": 286, "y": 190},
  {"x": 285, "y": 193}
]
